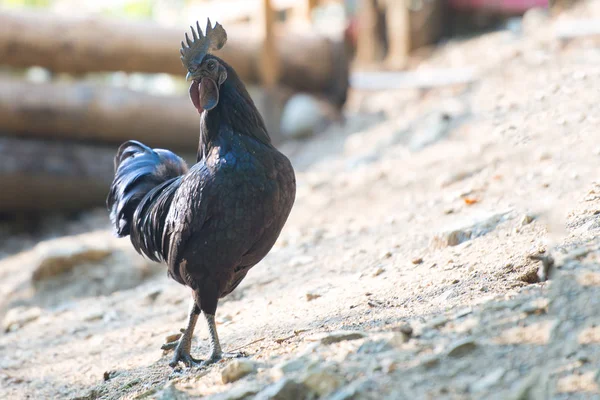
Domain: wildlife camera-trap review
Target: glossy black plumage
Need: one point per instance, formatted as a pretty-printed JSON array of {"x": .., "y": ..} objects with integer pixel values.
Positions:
[{"x": 212, "y": 222}]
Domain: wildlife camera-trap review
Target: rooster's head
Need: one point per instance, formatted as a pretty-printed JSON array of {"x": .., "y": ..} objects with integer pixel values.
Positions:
[{"x": 205, "y": 70}]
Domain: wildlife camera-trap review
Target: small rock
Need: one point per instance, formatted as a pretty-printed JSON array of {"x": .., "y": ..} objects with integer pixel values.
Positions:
[
  {"x": 301, "y": 260},
  {"x": 379, "y": 271},
  {"x": 431, "y": 128},
  {"x": 312, "y": 296},
  {"x": 527, "y": 219},
  {"x": 532, "y": 387},
  {"x": 417, "y": 260},
  {"x": 241, "y": 391},
  {"x": 237, "y": 369},
  {"x": 284, "y": 389},
  {"x": 18, "y": 317},
  {"x": 302, "y": 117},
  {"x": 469, "y": 230},
  {"x": 389, "y": 365},
  {"x": 172, "y": 337},
  {"x": 340, "y": 336},
  {"x": 381, "y": 345},
  {"x": 386, "y": 254},
  {"x": 438, "y": 322},
  {"x": 59, "y": 256},
  {"x": 94, "y": 316},
  {"x": 322, "y": 382},
  {"x": 538, "y": 306},
  {"x": 352, "y": 390},
  {"x": 404, "y": 329},
  {"x": 488, "y": 380},
  {"x": 152, "y": 296},
  {"x": 430, "y": 361},
  {"x": 290, "y": 367},
  {"x": 530, "y": 276},
  {"x": 108, "y": 375},
  {"x": 170, "y": 392},
  {"x": 461, "y": 348}
]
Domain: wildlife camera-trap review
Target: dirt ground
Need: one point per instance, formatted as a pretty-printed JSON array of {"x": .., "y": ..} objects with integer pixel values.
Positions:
[{"x": 405, "y": 269}]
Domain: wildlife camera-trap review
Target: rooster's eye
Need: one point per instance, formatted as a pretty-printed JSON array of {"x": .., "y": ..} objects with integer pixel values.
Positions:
[{"x": 211, "y": 65}]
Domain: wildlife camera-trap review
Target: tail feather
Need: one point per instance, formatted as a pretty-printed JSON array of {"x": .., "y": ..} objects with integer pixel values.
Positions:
[
  {"x": 148, "y": 232},
  {"x": 141, "y": 193}
]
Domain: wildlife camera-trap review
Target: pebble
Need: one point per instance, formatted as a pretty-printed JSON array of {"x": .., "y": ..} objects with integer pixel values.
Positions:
[
  {"x": 284, "y": 389},
  {"x": 488, "y": 380},
  {"x": 322, "y": 382},
  {"x": 389, "y": 365},
  {"x": 469, "y": 230},
  {"x": 241, "y": 391},
  {"x": 340, "y": 336},
  {"x": 18, "y": 317},
  {"x": 301, "y": 117},
  {"x": 172, "y": 337},
  {"x": 461, "y": 348},
  {"x": 417, "y": 260},
  {"x": 430, "y": 361},
  {"x": 526, "y": 219},
  {"x": 170, "y": 392},
  {"x": 296, "y": 365},
  {"x": 379, "y": 271},
  {"x": 237, "y": 369},
  {"x": 405, "y": 329},
  {"x": 300, "y": 260},
  {"x": 312, "y": 296},
  {"x": 59, "y": 256},
  {"x": 438, "y": 322},
  {"x": 538, "y": 306},
  {"x": 152, "y": 296}
]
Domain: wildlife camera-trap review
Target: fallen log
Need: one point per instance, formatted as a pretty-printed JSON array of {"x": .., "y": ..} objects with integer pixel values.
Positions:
[
  {"x": 309, "y": 62},
  {"x": 87, "y": 112},
  {"x": 40, "y": 175},
  {"x": 92, "y": 113}
]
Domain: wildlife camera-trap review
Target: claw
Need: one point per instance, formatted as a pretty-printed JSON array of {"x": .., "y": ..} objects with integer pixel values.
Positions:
[
  {"x": 169, "y": 346},
  {"x": 185, "y": 358},
  {"x": 216, "y": 358}
]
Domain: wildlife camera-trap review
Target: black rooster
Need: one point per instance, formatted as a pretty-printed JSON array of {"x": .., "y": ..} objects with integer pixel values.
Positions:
[{"x": 212, "y": 222}]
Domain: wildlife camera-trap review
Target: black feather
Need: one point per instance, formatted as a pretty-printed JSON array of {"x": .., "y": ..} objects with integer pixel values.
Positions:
[{"x": 145, "y": 180}]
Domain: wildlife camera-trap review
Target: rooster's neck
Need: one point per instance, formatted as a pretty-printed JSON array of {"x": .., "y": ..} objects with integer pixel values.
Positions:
[{"x": 235, "y": 113}]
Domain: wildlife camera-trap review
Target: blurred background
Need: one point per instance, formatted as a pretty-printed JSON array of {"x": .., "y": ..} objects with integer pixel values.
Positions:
[
  {"x": 440, "y": 148},
  {"x": 77, "y": 78}
]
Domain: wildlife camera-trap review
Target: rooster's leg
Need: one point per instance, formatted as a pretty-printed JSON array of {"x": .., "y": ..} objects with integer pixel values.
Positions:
[
  {"x": 182, "y": 351},
  {"x": 216, "y": 353}
]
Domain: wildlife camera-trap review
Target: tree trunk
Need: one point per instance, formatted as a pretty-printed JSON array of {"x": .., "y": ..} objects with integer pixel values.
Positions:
[
  {"x": 78, "y": 45},
  {"x": 107, "y": 115},
  {"x": 85, "y": 112},
  {"x": 39, "y": 175}
]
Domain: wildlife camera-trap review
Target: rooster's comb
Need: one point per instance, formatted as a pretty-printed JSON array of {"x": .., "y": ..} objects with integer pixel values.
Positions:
[{"x": 194, "y": 52}]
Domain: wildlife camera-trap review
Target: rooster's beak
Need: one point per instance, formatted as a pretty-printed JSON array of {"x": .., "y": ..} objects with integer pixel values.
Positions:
[{"x": 188, "y": 76}]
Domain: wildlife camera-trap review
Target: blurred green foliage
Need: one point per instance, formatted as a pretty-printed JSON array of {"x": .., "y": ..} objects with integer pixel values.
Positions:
[
  {"x": 25, "y": 3},
  {"x": 124, "y": 8},
  {"x": 134, "y": 8}
]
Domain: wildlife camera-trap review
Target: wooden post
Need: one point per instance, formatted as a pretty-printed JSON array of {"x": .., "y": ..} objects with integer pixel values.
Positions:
[
  {"x": 370, "y": 43},
  {"x": 309, "y": 6},
  {"x": 269, "y": 69},
  {"x": 398, "y": 33},
  {"x": 269, "y": 60}
]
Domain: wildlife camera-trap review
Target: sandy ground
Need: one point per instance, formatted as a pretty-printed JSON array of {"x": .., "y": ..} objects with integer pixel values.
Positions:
[{"x": 404, "y": 270}]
